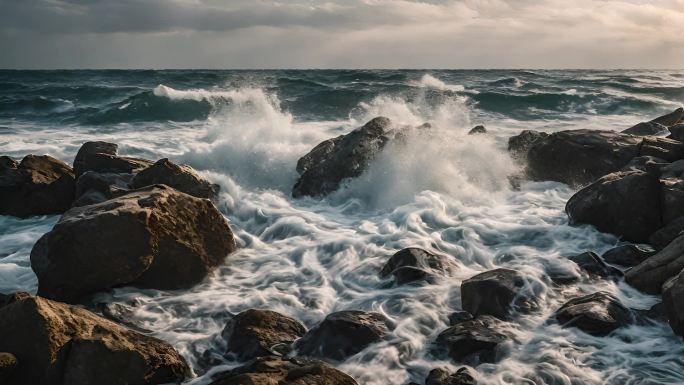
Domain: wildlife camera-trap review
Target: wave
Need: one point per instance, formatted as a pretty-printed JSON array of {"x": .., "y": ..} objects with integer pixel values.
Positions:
[
  {"x": 429, "y": 81},
  {"x": 33, "y": 105}
]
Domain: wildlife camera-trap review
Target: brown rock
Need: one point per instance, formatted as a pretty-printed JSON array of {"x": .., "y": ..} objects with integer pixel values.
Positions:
[
  {"x": 182, "y": 178},
  {"x": 8, "y": 364},
  {"x": 102, "y": 157},
  {"x": 649, "y": 275}
]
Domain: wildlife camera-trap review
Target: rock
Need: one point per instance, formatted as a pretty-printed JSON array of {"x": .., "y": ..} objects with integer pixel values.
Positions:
[
  {"x": 649, "y": 164},
  {"x": 673, "y": 302},
  {"x": 674, "y": 170},
  {"x": 495, "y": 292},
  {"x": 412, "y": 264},
  {"x": 459, "y": 316},
  {"x": 8, "y": 364},
  {"x": 476, "y": 340},
  {"x": 155, "y": 237},
  {"x": 255, "y": 333},
  {"x": 520, "y": 144},
  {"x": 650, "y": 275},
  {"x": 654, "y": 313},
  {"x": 672, "y": 199},
  {"x": 663, "y": 237},
  {"x": 477, "y": 130},
  {"x": 677, "y": 132},
  {"x": 463, "y": 376},
  {"x": 646, "y": 128},
  {"x": 343, "y": 334},
  {"x": 182, "y": 178},
  {"x": 278, "y": 371},
  {"x": 670, "y": 119},
  {"x": 94, "y": 187},
  {"x": 347, "y": 156},
  {"x": 628, "y": 255},
  {"x": 593, "y": 265},
  {"x": 38, "y": 185},
  {"x": 55, "y": 343},
  {"x": 102, "y": 157},
  {"x": 576, "y": 157},
  {"x": 669, "y": 149},
  {"x": 626, "y": 204},
  {"x": 596, "y": 314},
  {"x": 409, "y": 274}
]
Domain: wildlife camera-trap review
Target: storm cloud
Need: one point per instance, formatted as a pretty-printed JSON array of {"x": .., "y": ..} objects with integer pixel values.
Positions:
[{"x": 341, "y": 34}]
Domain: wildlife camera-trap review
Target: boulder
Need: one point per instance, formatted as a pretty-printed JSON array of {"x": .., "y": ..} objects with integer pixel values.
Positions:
[
  {"x": 181, "y": 177},
  {"x": 576, "y": 157},
  {"x": 628, "y": 255},
  {"x": 347, "y": 156},
  {"x": 255, "y": 333},
  {"x": 38, "y": 185},
  {"x": 670, "y": 119},
  {"x": 626, "y": 204},
  {"x": 495, "y": 292},
  {"x": 520, "y": 144},
  {"x": 463, "y": 376},
  {"x": 94, "y": 187},
  {"x": 596, "y": 314},
  {"x": 593, "y": 265},
  {"x": 155, "y": 237},
  {"x": 279, "y": 371},
  {"x": 669, "y": 149},
  {"x": 649, "y": 164},
  {"x": 647, "y": 128},
  {"x": 477, "y": 130},
  {"x": 102, "y": 157},
  {"x": 673, "y": 302},
  {"x": 414, "y": 264},
  {"x": 55, "y": 343},
  {"x": 8, "y": 364},
  {"x": 459, "y": 316},
  {"x": 343, "y": 334},
  {"x": 650, "y": 275},
  {"x": 663, "y": 237},
  {"x": 672, "y": 199},
  {"x": 476, "y": 340},
  {"x": 677, "y": 132}
]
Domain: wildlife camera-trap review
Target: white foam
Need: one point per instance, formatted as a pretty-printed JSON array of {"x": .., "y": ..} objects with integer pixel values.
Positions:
[{"x": 429, "y": 81}]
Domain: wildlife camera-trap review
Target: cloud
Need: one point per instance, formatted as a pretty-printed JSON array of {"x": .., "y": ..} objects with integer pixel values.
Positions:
[{"x": 343, "y": 33}]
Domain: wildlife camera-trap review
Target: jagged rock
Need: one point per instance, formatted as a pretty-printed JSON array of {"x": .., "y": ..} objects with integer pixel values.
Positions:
[
  {"x": 343, "y": 334},
  {"x": 102, "y": 157},
  {"x": 592, "y": 264},
  {"x": 677, "y": 132},
  {"x": 324, "y": 168},
  {"x": 672, "y": 199},
  {"x": 38, "y": 185},
  {"x": 55, "y": 343},
  {"x": 649, "y": 164},
  {"x": 669, "y": 149},
  {"x": 279, "y": 371},
  {"x": 182, "y": 178},
  {"x": 663, "y": 237},
  {"x": 255, "y": 333},
  {"x": 459, "y": 316},
  {"x": 155, "y": 237},
  {"x": 671, "y": 119},
  {"x": 646, "y": 128},
  {"x": 597, "y": 314},
  {"x": 649, "y": 275},
  {"x": 475, "y": 340},
  {"x": 495, "y": 292},
  {"x": 8, "y": 364},
  {"x": 94, "y": 187},
  {"x": 477, "y": 130},
  {"x": 628, "y": 255},
  {"x": 520, "y": 144},
  {"x": 413, "y": 264},
  {"x": 626, "y": 204},
  {"x": 673, "y": 302},
  {"x": 463, "y": 376}
]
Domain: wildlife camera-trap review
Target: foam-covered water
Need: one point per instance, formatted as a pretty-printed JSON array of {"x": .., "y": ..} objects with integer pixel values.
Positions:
[{"x": 441, "y": 190}]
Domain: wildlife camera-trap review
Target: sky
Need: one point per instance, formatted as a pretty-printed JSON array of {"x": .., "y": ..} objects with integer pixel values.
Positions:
[{"x": 341, "y": 34}]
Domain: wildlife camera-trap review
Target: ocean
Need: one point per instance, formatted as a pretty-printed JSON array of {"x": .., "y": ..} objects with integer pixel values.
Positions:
[{"x": 447, "y": 192}]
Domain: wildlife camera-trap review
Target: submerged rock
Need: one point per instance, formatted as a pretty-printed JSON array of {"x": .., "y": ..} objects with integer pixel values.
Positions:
[
  {"x": 626, "y": 204},
  {"x": 463, "y": 376},
  {"x": 343, "y": 334},
  {"x": 38, "y": 185},
  {"x": 55, "y": 343},
  {"x": 154, "y": 237},
  {"x": 279, "y": 371},
  {"x": 628, "y": 255},
  {"x": 673, "y": 302},
  {"x": 477, "y": 130},
  {"x": 255, "y": 333},
  {"x": 495, "y": 292},
  {"x": 102, "y": 157},
  {"x": 592, "y": 264},
  {"x": 475, "y": 340},
  {"x": 181, "y": 177},
  {"x": 650, "y": 275},
  {"x": 413, "y": 264},
  {"x": 597, "y": 314}
]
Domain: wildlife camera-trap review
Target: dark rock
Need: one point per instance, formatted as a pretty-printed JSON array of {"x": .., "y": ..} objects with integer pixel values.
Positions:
[
  {"x": 182, "y": 178},
  {"x": 520, "y": 144},
  {"x": 463, "y": 376},
  {"x": 597, "y": 314},
  {"x": 412, "y": 264},
  {"x": 55, "y": 343},
  {"x": 677, "y": 132},
  {"x": 347, "y": 156},
  {"x": 646, "y": 128},
  {"x": 477, "y": 130},
  {"x": 155, "y": 237},
  {"x": 8, "y": 364},
  {"x": 102, "y": 157},
  {"x": 669, "y": 149},
  {"x": 626, "y": 204},
  {"x": 663, "y": 237},
  {"x": 255, "y": 333},
  {"x": 592, "y": 264},
  {"x": 650, "y": 275},
  {"x": 408, "y": 274},
  {"x": 576, "y": 157},
  {"x": 279, "y": 371},
  {"x": 38, "y": 185},
  {"x": 475, "y": 340},
  {"x": 673, "y": 302},
  {"x": 674, "y": 170},
  {"x": 649, "y": 164},
  {"x": 672, "y": 199},
  {"x": 94, "y": 187},
  {"x": 459, "y": 316},
  {"x": 495, "y": 292},
  {"x": 92, "y": 148},
  {"x": 654, "y": 313},
  {"x": 343, "y": 334},
  {"x": 628, "y": 255},
  {"x": 670, "y": 119}
]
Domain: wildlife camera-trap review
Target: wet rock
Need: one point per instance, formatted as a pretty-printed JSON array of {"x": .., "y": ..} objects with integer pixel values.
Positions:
[
  {"x": 647, "y": 128},
  {"x": 463, "y": 376},
  {"x": 628, "y": 255},
  {"x": 674, "y": 170},
  {"x": 626, "y": 204},
  {"x": 673, "y": 302},
  {"x": 255, "y": 333},
  {"x": 343, "y": 334},
  {"x": 155, "y": 237},
  {"x": 669, "y": 149},
  {"x": 649, "y": 164},
  {"x": 94, "y": 187},
  {"x": 476, "y": 340},
  {"x": 55, "y": 343},
  {"x": 275, "y": 370},
  {"x": 414, "y": 264},
  {"x": 477, "y": 130},
  {"x": 409, "y": 274},
  {"x": 597, "y": 314},
  {"x": 664, "y": 236},
  {"x": 38, "y": 185},
  {"x": 672, "y": 118},
  {"x": 459, "y": 316},
  {"x": 102, "y": 157},
  {"x": 182, "y": 178},
  {"x": 495, "y": 292},
  {"x": 650, "y": 275},
  {"x": 672, "y": 199},
  {"x": 593, "y": 265},
  {"x": 576, "y": 157},
  {"x": 8, "y": 364},
  {"x": 654, "y": 313},
  {"x": 677, "y": 132},
  {"x": 520, "y": 144}
]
